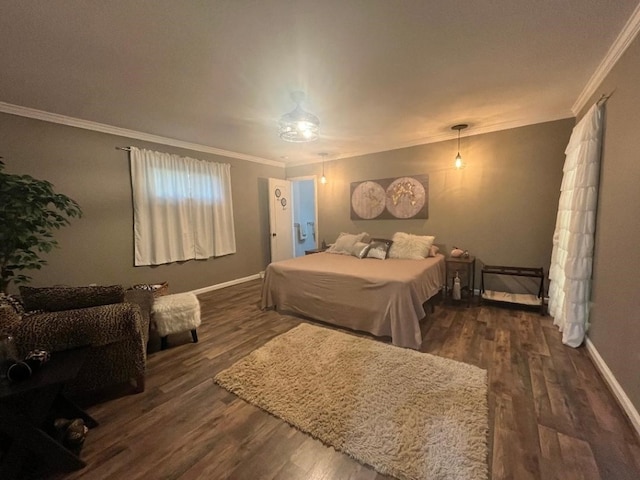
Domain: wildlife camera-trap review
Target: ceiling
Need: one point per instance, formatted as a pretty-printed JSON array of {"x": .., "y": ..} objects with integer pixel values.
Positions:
[{"x": 380, "y": 74}]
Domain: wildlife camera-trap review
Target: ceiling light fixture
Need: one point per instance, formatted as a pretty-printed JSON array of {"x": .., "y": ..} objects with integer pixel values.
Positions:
[
  {"x": 298, "y": 126},
  {"x": 323, "y": 179},
  {"x": 458, "y": 162}
]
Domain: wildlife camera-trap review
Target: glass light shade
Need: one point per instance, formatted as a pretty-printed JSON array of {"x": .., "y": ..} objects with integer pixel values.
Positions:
[
  {"x": 323, "y": 180},
  {"x": 459, "y": 163},
  {"x": 299, "y": 126}
]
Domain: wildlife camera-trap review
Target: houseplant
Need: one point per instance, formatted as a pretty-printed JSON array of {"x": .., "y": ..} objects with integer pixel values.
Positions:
[{"x": 30, "y": 211}]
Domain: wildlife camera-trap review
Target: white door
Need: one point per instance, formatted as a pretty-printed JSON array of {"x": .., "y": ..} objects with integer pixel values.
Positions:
[{"x": 280, "y": 219}]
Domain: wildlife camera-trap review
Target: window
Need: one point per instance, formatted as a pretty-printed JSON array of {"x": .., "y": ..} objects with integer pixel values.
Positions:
[{"x": 182, "y": 208}]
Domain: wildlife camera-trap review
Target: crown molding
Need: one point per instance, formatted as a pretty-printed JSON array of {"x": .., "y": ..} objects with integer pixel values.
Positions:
[
  {"x": 448, "y": 135},
  {"x": 123, "y": 132},
  {"x": 626, "y": 36}
]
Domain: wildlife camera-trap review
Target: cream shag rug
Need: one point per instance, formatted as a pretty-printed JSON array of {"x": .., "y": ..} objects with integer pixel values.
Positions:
[{"x": 408, "y": 414}]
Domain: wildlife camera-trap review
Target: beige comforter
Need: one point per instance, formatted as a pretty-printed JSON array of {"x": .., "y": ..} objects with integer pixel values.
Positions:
[{"x": 382, "y": 297}]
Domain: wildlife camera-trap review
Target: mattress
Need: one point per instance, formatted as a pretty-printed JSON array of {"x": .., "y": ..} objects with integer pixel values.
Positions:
[{"x": 382, "y": 297}]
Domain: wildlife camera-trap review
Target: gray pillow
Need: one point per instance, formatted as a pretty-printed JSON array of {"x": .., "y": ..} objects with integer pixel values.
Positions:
[
  {"x": 379, "y": 248},
  {"x": 360, "y": 249}
]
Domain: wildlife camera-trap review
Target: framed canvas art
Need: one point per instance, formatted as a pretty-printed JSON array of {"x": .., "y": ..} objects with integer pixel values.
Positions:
[{"x": 390, "y": 198}]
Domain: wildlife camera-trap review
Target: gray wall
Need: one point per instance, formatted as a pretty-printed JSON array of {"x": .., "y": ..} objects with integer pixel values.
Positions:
[
  {"x": 615, "y": 316},
  {"x": 501, "y": 207},
  {"x": 98, "y": 248}
]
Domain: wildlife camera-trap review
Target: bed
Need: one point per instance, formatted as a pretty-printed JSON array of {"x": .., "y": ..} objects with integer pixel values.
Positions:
[{"x": 382, "y": 297}]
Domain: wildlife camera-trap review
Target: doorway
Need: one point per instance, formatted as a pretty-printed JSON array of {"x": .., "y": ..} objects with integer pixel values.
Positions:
[{"x": 305, "y": 214}]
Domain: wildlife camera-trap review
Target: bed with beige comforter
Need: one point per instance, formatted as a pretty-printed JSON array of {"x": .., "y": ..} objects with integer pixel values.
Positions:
[{"x": 382, "y": 297}]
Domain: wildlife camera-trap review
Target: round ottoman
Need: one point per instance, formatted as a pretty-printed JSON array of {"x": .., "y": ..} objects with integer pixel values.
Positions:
[{"x": 176, "y": 313}]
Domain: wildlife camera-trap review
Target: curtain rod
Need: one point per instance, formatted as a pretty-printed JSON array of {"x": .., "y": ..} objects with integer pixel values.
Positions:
[
  {"x": 604, "y": 97},
  {"x": 128, "y": 149}
]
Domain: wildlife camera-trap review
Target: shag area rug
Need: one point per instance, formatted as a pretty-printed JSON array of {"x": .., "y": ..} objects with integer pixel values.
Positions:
[{"x": 408, "y": 414}]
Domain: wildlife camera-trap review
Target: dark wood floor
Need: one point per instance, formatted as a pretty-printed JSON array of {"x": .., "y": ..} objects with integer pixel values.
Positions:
[{"x": 551, "y": 415}]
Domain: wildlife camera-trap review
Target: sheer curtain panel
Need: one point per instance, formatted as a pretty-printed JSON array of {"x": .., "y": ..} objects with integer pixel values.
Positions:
[
  {"x": 573, "y": 238},
  {"x": 182, "y": 208}
]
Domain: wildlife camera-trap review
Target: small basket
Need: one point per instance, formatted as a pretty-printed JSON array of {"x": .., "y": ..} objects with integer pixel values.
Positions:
[{"x": 158, "y": 289}]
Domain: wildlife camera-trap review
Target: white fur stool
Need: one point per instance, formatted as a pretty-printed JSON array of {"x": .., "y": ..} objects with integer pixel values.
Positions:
[{"x": 176, "y": 313}]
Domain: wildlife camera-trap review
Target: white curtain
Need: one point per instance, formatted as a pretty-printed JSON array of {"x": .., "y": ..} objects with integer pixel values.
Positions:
[
  {"x": 182, "y": 208},
  {"x": 573, "y": 239}
]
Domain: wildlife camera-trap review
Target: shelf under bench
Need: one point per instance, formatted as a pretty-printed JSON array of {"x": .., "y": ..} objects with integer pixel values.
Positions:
[{"x": 525, "y": 299}]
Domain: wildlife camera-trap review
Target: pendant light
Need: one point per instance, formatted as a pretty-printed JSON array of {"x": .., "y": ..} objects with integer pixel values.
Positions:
[
  {"x": 323, "y": 179},
  {"x": 298, "y": 126},
  {"x": 458, "y": 161}
]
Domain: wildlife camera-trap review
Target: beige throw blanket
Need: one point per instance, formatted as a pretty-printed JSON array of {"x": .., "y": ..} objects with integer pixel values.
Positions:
[{"x": 382, "y": 297}]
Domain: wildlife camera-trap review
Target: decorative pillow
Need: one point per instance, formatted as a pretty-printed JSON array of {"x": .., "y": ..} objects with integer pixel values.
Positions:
[
  {"x": 433, "y": 251},
  {"x": 55, "y": 299},
  {"x": 360, "y": 249},
  {"x": 9, "y": 320},
  {"x": 412, "y": 247},
  {"x": 13, "y": 302},
  {"x": 379, "y": 248},
  {"x": 345, "y": 242},
  {"x": 158, "y": 289}
]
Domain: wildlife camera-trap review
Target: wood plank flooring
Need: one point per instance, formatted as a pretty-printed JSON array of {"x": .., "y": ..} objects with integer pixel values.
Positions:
[{"x": 551, "y": 415}]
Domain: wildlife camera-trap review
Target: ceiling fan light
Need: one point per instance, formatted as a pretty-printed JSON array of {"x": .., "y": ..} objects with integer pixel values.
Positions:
[{"x": 298, "y": 125}]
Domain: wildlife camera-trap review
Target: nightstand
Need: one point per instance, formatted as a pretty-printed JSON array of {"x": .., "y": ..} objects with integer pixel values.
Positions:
[
  {"x": 314, "y": 250},
  {"x": 466, "y": 270}
]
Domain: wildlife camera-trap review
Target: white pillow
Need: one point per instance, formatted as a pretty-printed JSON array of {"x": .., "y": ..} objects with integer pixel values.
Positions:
[
  {"x": 345, "y": 242},
  {"x": 413, "y": 247}
]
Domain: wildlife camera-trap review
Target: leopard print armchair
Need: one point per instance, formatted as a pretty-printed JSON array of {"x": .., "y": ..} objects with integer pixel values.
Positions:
[{"x": 114, "y": 323}]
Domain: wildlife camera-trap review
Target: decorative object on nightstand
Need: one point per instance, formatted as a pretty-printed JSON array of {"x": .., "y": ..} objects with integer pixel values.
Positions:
[
  {"x": 464, "y": 268},
  {"x": 456, "y": 294},
  {"x": 459, "y": 253}
]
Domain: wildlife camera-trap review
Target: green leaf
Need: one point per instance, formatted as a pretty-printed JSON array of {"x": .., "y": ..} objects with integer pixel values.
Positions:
[{"x": 30, "y": 212}]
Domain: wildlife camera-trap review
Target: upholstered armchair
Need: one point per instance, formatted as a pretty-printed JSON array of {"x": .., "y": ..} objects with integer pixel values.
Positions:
[{"x": 114, "y": 323}]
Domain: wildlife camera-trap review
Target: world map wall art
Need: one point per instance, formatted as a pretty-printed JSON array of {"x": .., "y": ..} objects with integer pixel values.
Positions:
[{"x": 390, "y": 198}]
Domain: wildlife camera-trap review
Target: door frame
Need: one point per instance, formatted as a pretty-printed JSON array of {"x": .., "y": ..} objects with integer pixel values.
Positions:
[
  {"x": 273, "y": 182},
  {"x": 315, "y": 199}
]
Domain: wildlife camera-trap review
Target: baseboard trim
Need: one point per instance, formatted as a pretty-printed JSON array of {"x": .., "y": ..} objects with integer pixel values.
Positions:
[
  {"x": 613, "y": 384},
  {"x": 218, "y": 286}
]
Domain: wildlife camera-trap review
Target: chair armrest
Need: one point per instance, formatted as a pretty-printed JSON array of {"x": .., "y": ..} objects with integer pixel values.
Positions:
[
  {"x": 144, "y": 299},
  {"x": 96, "y": 326}
]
